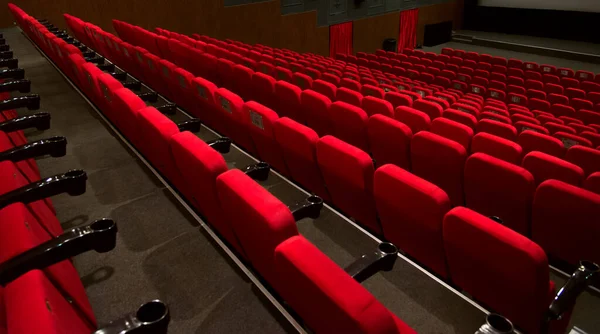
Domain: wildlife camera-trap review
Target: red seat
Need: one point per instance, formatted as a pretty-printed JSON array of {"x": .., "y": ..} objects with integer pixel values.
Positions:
[
  {"x": 495, "y": 117},
  {"x": 327, "y": 298},
  {"x": 545, "y": 167},
  {"x": 433, "y": 110},
  {"x": 325, "y": 88},
  {"x": 351, "y": 187},
  {"x": 232, "y": 120},
  {"x": 349, "y": 124},
  {"x": 411, "y": 211},
  {"x": 389, "y": 141},
  {"x": 373, "y": 105},
  {"x": 558, "y": 99},
  {"x": 450, "y": 129},
  {"x": 440, "y": 161},
  {"x": 564, "y": 220},
  {"x": 243, "y": 81},
  {"x": 34, "y": 293},
  {"x": 157, "y": 130},
  {"x": 569, "y": 139},
  {"x": 470, "y": 240},
  {"x": 497, "y": 147},
  {"x": 299, "y": 144},
  {"x": 351, "y": 84},
  {"x": 534, "y": 141},
  {"x": 315, "y": 108},
  {"x": 497, "y": 128},
  {"x": 264, "y": 89},
  {"x": 523, "y": 125},
  {"x": 302, "y": 80},
  {"x": 584, "y": 157},
  {"x": 589, "y": 117},
  {"x": 288, "y": 101},
  {"x": 416, "y": 120},
  {"x": 494, "y": 187},
  {"x": 461, "y": 117},
  {"x": 260, "y": 128},
  {"x": 398, "y": 99},
  {"x": 200, "y": 165},
  {"x": 259, "y": 220},
  {"x": 370, "y": 90},
  {"x": 582, "y": 128},
  {"x": 593, "y": 137},
  {"x": 592, "y": 183}
]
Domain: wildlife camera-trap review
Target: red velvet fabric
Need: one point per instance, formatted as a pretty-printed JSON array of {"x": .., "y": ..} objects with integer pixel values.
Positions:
[
  {"x": 407, "y": 37},
  {"x": 340, "y": 38}
]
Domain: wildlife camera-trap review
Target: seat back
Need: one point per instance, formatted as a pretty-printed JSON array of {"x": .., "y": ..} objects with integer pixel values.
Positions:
[
  {"x": 259, "y": 220},
  {"x": 315, "y": 108},
  {"x": 535, "y": 141},
  {"x": 389, "y": 141},
  {"x": 231, "y": 119},
  {"x": 564, "y": 221},
  {"x": 260, "y": 127},
  {"x": 299, "y": 148},
  {"x": 497, "y": 147},
  {"x": 474, "y": 245},
  {"x": 350, "y": 187},
  {"x": 288, "y": 101},
  {"x": 374, "y": 105},
  {"x": 450, "y": 129},
  {"x": 584, "y": 157},
  {"x": 411, "y": 211},
  {"x": 349, "y": 124},
  {"x": 546, "y": 167},
  {"x": 326, "y": 298},
  {"x": 494, "y": 187},
  {"x": 440, "y": 161}
]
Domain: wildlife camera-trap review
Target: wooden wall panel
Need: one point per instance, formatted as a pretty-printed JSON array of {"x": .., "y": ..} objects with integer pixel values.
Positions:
[
  {"x": 253, "y": 23},
  {"x": 370, "y": 32}
]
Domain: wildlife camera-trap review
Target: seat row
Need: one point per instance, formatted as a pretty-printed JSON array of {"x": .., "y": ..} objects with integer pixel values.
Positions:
[
  {"x": 229, "y": 114},
  {"x": 40, "y": 289},
  {"x": 266, "y": 237},
  {"x": 484, "y": 80},
  {"x": 311, "y": 109},
  {"x": 244, "y": 201}
]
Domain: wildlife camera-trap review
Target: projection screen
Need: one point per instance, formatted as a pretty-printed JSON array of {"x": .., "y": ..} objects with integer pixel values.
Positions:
[{"x": 569, "y": 5}]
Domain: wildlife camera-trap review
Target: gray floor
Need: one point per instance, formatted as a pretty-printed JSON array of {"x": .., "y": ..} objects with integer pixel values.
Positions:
[
  {"x": 162, "y": 253},
  {"x": 559, "y": 44},
  {"x": 527, "y": 40}
]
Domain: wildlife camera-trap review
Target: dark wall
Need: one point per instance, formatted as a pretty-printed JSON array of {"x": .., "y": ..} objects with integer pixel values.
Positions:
[
  {"x": 578, "y": 26},
  {"x": 253, "y": 23}
]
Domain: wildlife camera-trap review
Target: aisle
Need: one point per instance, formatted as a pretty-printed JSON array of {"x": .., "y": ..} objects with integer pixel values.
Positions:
[{"x": 161, "y": 251}]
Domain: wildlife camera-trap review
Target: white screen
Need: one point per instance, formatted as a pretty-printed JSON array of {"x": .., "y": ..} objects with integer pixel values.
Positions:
[{"x": 571, "y": 5}]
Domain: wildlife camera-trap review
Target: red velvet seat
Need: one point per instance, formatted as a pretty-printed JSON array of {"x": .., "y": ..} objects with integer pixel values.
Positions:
[
  {"x": 315, "y": 108},
  {"x": 494, "y": 187},
  {"x": 389, "y": 141},
  {"x": 231, "y": 118},
  {"x": 260, "y": 120},
  {"x": 564, "y": 220},
  {"x": 411, "y": 211},
  {"x": 497, "y": 128},
  {"x": 470, "y": 240},
  {"x": 545, "y": 167},
  {"x": 351, "y": 188},
  {"x": 450, "y": 129},
  {"x": 584, "y": 157},
  {"x": 327, "y": 298},
  {"x": 440, "y": 161},
  {"x": 299, "y": 144},
  {"x": 497, "y": 147},
  {"x": 349, "y": 124}
]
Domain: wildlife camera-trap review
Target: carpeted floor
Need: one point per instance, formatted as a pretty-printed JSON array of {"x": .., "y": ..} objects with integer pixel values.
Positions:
[{"x": 163, "y": 253}]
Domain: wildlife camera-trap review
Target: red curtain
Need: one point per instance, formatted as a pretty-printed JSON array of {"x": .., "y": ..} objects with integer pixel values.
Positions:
[
  {"x": 408, "y": 29},
  {"x": 340, "y": 39}
]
